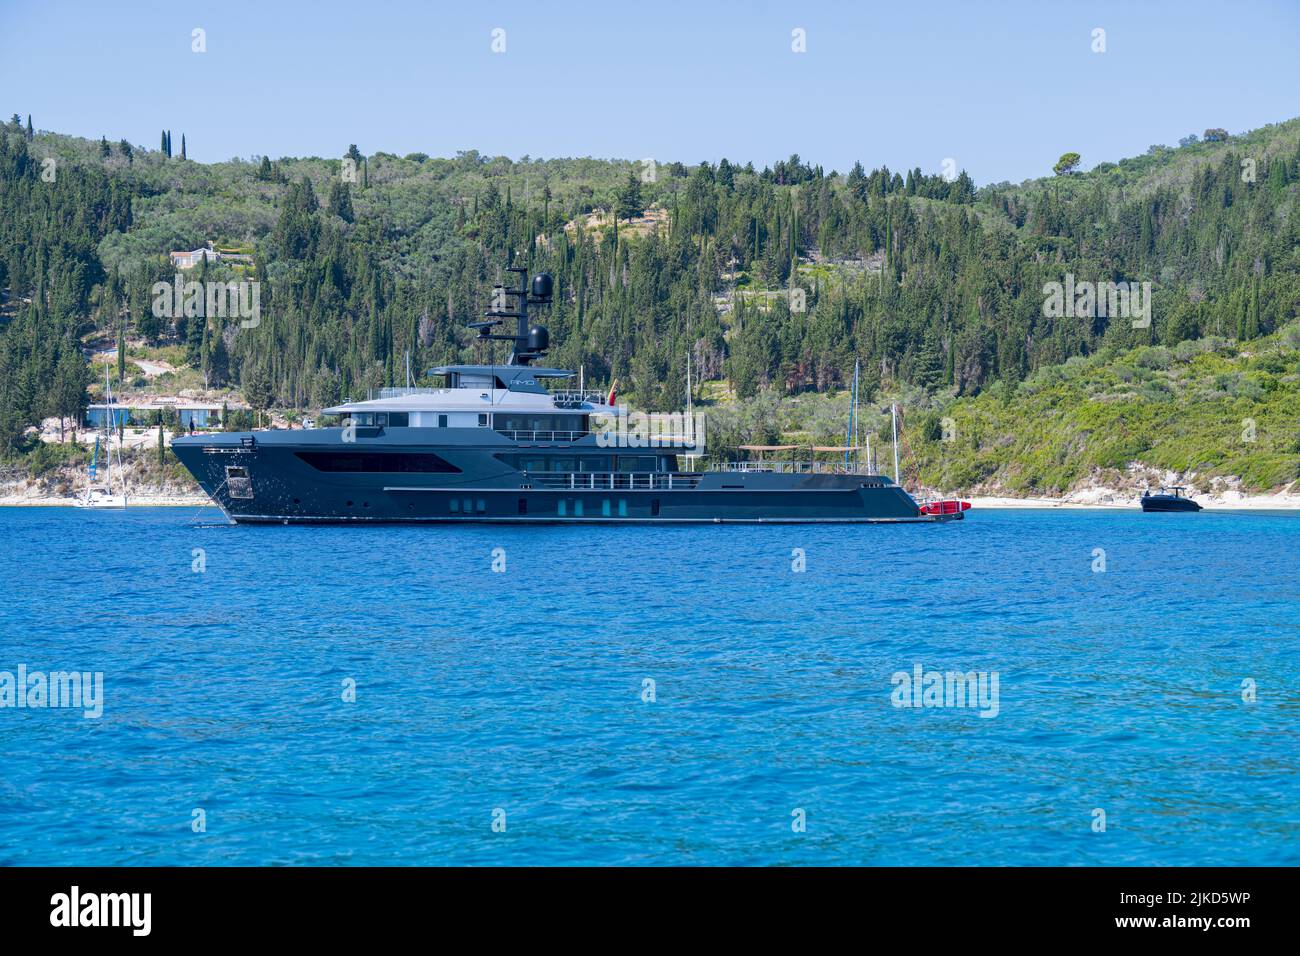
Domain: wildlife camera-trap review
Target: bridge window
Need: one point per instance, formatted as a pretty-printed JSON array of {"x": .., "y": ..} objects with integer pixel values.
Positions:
[{"x": 542, "y": 423}]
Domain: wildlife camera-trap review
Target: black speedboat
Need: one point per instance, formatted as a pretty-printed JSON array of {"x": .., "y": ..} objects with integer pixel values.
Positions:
[{"x": 1168, "y": 499}]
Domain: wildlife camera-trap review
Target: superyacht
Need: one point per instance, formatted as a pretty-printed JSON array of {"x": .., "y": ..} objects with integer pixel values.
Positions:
[{"x": 494, "y": 443}]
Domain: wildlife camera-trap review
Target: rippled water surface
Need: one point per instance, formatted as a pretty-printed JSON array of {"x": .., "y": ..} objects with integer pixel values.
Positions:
[{"x": 523, "y": 692}]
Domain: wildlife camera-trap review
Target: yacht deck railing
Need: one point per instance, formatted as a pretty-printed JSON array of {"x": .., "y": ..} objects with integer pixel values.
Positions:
[
  {"x": 401, "y": 392},
  {"x": 795, "y": 467},
  {"x": 529, "y": 435},
  {"x": 615, "y": 480},
  {"x": 573, "y": 397}
]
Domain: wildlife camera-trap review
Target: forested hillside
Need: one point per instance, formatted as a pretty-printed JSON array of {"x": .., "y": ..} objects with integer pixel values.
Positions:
[{"x": 933, "y": 284}]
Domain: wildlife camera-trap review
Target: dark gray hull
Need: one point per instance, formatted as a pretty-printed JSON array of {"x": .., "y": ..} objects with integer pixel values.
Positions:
[
  {"x": 274, "y": 482},
  {"x": 1168, "y": 503}
]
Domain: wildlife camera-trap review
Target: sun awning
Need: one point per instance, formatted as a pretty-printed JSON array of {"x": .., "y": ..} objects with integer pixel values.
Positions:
[
  {"x": 767, "y": 447},
  {"x": 839, "y": 448}
]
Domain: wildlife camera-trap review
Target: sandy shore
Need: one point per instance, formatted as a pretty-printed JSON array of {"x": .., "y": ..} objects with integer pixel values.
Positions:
[{"x": 1130, "y": 503}]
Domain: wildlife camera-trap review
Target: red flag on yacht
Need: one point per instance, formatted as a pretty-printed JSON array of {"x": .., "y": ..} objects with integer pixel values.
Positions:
[{"x": 612, "y": 389}]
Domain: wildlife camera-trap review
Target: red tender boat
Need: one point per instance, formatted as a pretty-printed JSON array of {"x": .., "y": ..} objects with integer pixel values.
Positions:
[{"x": 948, "y": 506}]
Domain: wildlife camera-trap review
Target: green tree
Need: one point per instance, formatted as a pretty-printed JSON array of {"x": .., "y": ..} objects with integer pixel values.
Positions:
[
  {"x": 218, "y": 367},
  {"x": 70, "y": 380},
  {"x": 1068, "y": 163},
  {"x": 630, "y": 204},
  {"x": 256, "y": 385},
  {"x": 340, "y": 200},
  {"x": 929, "y": 370}
]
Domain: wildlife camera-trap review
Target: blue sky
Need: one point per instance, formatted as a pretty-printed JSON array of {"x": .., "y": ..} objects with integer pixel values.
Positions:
[{"x": 1002, "y": 88}]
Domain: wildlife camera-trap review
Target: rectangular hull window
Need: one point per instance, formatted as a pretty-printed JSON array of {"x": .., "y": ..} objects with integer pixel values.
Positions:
[{"x": 385, "y": 462}]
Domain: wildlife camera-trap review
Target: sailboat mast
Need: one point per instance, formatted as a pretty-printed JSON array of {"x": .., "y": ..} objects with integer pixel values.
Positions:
[
  {"x": 689, "y": 395},
  {"x": 893, "y": 415},
  {"x": 853, "y": 407}
]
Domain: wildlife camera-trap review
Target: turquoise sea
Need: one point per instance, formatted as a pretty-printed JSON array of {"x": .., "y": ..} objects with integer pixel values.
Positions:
[{"x": 653, "y": 695}]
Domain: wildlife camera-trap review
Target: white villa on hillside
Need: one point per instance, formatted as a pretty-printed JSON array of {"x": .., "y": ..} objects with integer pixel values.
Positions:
[
  {"x": 188, "y": 260},
  {"x": 201, "y": 414}
]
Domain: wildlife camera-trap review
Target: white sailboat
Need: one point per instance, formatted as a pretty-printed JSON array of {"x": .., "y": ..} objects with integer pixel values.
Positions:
[{"x": 105, "y": 497}]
